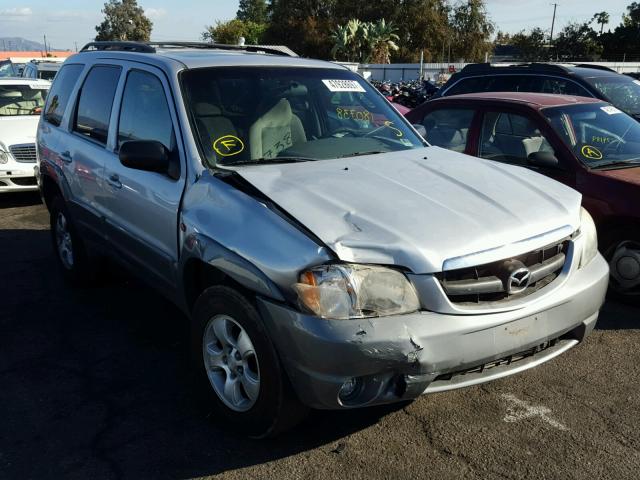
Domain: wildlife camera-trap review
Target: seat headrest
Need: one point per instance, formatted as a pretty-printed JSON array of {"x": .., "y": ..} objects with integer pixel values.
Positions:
[
  {"x": 207, "y": 110},
  {"x": 279, "y": 115}
]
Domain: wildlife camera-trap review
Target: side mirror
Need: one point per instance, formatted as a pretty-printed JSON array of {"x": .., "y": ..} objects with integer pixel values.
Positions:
[
  {"x": 543, "y": 160},
  {"x": 421, "y": 130},
  {"x": 147, "y": 155}
]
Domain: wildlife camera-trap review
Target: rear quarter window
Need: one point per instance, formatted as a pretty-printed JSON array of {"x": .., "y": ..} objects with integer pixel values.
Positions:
[
  {"x": 61, "y": 89},
  {"x": 95, "y": 102}
]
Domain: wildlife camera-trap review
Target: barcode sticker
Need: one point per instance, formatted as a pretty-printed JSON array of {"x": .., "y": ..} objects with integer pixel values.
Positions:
[
  {"x": 343, "y": 86},
  {"x": 610, "y": 110}
]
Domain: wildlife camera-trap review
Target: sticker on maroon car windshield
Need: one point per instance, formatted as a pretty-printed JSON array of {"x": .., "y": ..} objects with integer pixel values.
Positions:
[
  {"x": 610, "y": 110},
  {"x": 592, "y": 153},
  {"x": 343, "y": 86}
]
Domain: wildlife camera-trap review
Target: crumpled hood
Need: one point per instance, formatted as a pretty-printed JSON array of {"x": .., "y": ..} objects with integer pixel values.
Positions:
[
  {"x": 404, "y": 209},
  {"x": 19, "y": 129}
]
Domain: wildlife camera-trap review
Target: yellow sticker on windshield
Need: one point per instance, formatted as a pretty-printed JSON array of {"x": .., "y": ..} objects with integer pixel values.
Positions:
[
  {"x": 397, "y": 131},
  {"x": 228, "y": 145},
  {"x": 592, "y": 153}
]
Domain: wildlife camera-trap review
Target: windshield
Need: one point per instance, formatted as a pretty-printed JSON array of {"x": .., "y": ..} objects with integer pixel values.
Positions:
[
  {"x": 266, "y": 115},
  {"x": 22, "y": 99},
  {"x": 6, "y": 69},
  {"x": 47, "y": 74},
  {"x": 600, "y": 134},
  {"x": 621, "y": 90}
]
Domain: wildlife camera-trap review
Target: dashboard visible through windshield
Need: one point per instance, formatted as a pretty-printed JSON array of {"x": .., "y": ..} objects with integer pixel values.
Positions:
[{"x": 256, "y": 115}]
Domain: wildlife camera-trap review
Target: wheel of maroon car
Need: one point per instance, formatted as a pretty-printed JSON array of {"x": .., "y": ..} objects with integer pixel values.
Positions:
[
  {"x": 238, "y": 368},
  {"x": 622, "y": 250}
]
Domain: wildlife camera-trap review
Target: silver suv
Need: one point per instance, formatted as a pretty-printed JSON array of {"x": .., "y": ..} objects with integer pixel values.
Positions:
[{"x": 326, "y": 256}]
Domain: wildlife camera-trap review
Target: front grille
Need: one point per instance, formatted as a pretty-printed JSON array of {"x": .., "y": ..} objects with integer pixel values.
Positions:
[
  {"x": 491, "y": 282},
  {"x": 24, "y": 153},
  {"x": 25, "y": 181},
  {"x": 509, "y": 360}
]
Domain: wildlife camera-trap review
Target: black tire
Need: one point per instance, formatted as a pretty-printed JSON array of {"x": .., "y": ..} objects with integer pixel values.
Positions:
[
  {"x": 609, "y": 241},
  {"x": 277, "y": 408},
  {"x": 81, "y": 271}
]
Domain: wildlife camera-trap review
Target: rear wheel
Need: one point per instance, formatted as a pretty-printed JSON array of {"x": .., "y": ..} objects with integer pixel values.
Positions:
[
  {"x": 238, "y": 367},
  {"x": 622, "y": 251},
  {"x": 69, "y": 249}
]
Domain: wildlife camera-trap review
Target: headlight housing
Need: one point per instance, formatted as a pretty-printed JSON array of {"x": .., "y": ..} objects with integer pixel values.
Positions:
[
  {"x": 343, "y": 291},
  {"x": 4, "y": 154},
  {"x": 590, "y": 237}
]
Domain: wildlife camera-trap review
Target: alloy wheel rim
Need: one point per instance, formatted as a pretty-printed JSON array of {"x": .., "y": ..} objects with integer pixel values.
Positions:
[
  {"x": 63, "y": 241},
  {"x": 231, "y": 363}
]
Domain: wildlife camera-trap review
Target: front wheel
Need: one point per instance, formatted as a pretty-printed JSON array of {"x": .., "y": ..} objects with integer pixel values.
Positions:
[
  {"x": 238, "y": 367},
  {"x": 622, "y": 251}
]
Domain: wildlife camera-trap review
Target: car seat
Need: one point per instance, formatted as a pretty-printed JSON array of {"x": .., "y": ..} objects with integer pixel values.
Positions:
[{"x": 275, "y": 131}]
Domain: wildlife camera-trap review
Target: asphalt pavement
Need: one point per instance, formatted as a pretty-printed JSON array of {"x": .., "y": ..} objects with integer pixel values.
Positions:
[{"x": 95, "y": 384}]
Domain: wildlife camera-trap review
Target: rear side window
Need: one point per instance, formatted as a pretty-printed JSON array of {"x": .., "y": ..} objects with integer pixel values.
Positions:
[
  {"x": 95, "y": 102},
  {"x": 449, "y": 127},
  {"x": 60, "y": 92},
  {"x": 144, "y": 114}
]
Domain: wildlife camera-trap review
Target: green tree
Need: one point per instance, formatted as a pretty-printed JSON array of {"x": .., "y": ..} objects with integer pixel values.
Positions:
[
  {"x": 303, "y": 25},
  {"x": 532, "y": 45},
  {"x": 577, "y": 41},
  {"x": 253, "y": 11},
  {"x": 124, "y": 20},
  {"x": 382, "y": 40},
  {"x": 231, "y": 31},
  {"x": 472, "y": 30},
  {"x": 601, "y": 18}
]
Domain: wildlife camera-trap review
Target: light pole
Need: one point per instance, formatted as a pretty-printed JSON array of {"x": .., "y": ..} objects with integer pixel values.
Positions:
[{"x": 553, "y": 21}]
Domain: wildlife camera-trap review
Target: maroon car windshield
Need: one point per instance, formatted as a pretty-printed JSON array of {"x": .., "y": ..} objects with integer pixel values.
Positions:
[{"x": 600, "y": 135}]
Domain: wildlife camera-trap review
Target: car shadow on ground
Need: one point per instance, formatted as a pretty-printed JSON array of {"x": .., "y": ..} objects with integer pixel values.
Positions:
[
  {"x": 618, "y": 316},
  {"x": 19, "y": 199},
  {"x": 96, "y": 382}
]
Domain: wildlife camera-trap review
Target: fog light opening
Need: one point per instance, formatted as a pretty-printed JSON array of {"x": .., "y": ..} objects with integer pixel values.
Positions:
[{"x": 349, "y": 389}]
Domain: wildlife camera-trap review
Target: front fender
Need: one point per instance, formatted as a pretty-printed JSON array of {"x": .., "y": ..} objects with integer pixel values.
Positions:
[{"x": 245, "y": 238}]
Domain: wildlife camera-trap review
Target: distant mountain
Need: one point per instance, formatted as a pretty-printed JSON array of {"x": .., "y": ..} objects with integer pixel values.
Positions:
[{"x": 18, "y": 44}]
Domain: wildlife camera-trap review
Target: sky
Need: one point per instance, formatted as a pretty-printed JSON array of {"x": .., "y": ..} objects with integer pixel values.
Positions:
[{"x": 73, "y": 21}]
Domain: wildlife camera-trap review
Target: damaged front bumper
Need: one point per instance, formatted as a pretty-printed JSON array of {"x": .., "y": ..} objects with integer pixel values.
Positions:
[{"x": 391, "y": 359}]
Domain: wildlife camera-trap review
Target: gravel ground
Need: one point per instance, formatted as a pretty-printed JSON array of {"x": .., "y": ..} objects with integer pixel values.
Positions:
[{"x": 95, "y": 383}]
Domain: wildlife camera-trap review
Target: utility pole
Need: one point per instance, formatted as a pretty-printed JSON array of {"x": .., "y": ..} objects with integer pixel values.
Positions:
[
  {"x": 45, "y": 45},
  {"x": 553, "y": 22}
]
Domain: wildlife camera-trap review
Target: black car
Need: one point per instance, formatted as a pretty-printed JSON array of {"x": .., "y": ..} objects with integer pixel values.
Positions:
[{"x": 583, "y": 80}]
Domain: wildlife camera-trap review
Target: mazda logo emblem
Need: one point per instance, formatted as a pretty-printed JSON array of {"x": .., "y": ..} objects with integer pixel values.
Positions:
[{"x": 518, "y": 280}]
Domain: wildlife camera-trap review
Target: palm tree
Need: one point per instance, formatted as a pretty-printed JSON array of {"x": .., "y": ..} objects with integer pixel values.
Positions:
[
  {"x": 341, "y": 43},
  {"x": 382, "y": 38},
  {"x": 601, "y": 18}
]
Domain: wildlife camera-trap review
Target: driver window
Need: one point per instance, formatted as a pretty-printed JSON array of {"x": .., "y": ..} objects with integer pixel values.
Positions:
[
  {"x": 448, "y": 128},
  {"x": 511, "y": 138}
]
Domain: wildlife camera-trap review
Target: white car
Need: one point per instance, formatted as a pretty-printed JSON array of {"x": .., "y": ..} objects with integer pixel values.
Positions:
[{"x": 21, "y": 102}]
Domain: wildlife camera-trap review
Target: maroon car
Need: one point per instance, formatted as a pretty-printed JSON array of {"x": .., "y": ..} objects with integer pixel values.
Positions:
[{"x": 585, "y": 143}]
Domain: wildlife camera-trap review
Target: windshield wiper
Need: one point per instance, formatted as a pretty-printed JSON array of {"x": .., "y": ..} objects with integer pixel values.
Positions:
[
  {"x": 359, "y": 154},
  {"x": 634, "y": 162},
  {"x": 264, "y": 161}
]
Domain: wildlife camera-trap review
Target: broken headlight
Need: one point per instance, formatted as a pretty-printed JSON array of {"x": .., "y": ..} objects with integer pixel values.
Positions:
[
  {"x": 588, "y": 230},
  {"x": 344, "y": 291}
]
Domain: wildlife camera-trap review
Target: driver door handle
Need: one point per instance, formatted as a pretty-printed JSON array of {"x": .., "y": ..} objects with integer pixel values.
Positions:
[
  {"x": 114, "y": 181},
  {"x": 66, "y": 156}
]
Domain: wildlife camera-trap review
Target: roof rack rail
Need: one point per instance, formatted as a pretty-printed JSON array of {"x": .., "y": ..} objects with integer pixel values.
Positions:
[
  {"x": 221, "y": 46},
  {"x": 595, "y": 67},
  {"x": 480, "y": 67},
  {"x": 139, "y": 47},
  {"x": 150, "y": 47}
]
